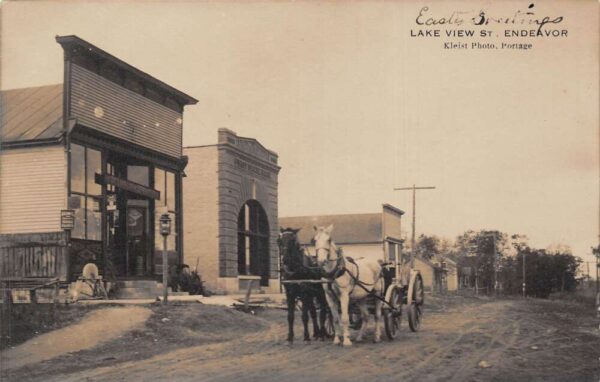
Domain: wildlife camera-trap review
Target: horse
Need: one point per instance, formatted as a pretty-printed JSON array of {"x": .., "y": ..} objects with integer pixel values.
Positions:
[
  {"x": 350, "y": 280},
  {"x": 296, "y": 265}
]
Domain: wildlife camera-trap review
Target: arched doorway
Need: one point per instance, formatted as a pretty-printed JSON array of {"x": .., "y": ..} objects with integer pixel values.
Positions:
[{"x": 253, "y": 242}]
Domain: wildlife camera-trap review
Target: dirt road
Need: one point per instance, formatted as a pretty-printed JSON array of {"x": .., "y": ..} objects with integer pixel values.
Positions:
[{"x": 517, "y": 340}]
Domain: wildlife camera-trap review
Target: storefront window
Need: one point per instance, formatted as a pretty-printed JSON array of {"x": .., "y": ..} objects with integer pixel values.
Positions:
[
  {"x": 171, "y": 191},
  {"x": 78, "y": 231},
  {"x": 77, "y": 168},
  {"x": 159, "y": 185},
  {"x": 85, "y": 163},
  {"x": 139, "y": 175},
  {"x": 93, "y": 165},
  {"x": 93, "y": 219},
  {"x": 164, "y": 182}
]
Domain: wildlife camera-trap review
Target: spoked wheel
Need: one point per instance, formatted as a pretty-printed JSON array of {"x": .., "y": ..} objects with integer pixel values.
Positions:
[
  {"x": 415, "y": 309},
  {"x": 392, "y": 316},
  {"x": 329, "y": 328}
]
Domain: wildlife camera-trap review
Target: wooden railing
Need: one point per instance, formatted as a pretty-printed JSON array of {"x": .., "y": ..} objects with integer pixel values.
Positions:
[{"x": 40, "y": 255}]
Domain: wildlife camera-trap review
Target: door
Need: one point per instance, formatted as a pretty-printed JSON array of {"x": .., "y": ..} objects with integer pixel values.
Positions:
[{"x": 137, "y": 237}]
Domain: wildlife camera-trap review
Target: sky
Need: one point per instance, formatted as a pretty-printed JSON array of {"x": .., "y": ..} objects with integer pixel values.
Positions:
[{"x": 355, "y": 106}]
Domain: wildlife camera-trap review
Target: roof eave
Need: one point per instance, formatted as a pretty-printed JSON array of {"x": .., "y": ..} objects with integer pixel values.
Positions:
[
  {"x": 70, "y": 40},
  {"x": 31, "y": 143}
]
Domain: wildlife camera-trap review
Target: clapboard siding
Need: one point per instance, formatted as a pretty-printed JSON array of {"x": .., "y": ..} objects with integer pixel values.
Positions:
[
  {"x": 32, "y": 189},
  {"x": 124, "y": 114}
]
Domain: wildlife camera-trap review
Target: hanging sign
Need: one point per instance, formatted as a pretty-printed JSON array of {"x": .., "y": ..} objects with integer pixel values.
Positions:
[{"x": 67, "y": 219}]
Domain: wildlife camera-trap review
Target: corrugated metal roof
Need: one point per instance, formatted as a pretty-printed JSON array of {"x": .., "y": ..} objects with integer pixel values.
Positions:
[
  {"x": 347, "y": 229},
  {"x": 31, "y": 113}
]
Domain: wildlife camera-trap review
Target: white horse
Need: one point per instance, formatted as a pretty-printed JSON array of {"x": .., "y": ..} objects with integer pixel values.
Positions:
[{"x": 352, "y": 280}]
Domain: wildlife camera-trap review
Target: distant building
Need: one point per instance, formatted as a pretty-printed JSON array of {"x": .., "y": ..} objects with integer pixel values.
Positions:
[
  {"x": 106, "y": 144},
  {"x": 230, "y": 218},
  {"x": 370, "y": 235},
  {"x": 446, "y": 275}
]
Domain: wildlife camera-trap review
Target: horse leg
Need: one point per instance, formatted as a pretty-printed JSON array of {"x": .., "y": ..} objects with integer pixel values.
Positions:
[
  {"x": 378, "y": 306},
  {"x": 305, "y": 307},
  {"x": 291, "y": 302},
  {"x": 322, "y": 315},
  {"x": 313, "y": 316},
  {"x": 344, "y": 304},
  {"x": 364, "y": 315},
  {"x": 331, "y": 301}
]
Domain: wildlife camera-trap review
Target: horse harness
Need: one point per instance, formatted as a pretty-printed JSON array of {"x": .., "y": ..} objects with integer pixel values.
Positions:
[{"x": 340, "y": 269}]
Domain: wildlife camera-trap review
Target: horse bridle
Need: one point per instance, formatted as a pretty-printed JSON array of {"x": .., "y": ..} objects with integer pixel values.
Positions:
[
  {"x": 339, "y": 269},
  {"x": 303, "y": 253}
]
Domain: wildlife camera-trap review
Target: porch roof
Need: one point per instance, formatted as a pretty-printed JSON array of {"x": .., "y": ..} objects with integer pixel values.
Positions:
[{"x": 31, "y": 114}]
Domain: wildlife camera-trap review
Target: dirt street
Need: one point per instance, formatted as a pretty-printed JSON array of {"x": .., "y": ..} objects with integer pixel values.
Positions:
[{"x": 518, "y": 340}]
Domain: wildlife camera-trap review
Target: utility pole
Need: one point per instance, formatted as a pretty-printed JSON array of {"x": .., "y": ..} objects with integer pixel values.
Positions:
[
  {"x": 524, "y": 283},
  {"x": 495, "y": 266},
  {"x": 414, "y": 205}
]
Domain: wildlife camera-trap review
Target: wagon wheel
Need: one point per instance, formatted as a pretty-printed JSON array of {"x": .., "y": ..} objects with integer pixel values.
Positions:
[
  {"x": 392, "y": 315},
  {"x": 415, "y": 309},
  {"x": 329, "y": 328}
]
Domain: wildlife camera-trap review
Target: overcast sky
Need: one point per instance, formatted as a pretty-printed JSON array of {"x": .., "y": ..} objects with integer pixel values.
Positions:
[{"x": 355, "y": 106}]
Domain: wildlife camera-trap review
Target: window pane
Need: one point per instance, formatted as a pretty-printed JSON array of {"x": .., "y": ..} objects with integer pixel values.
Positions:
[
  {"x": 94, "y": 230},
  {"x": 171, "y": 191},
  {"x": 110, "y": 170},
  {"x": 159, "y": 185},
  {"x": 77, "y": 168},
  {"x": 93, "y": 166},
  {"x": 391, "y": 252},
  {"x": 139, "y": 175},
  {"x": 78, "y": 231}
]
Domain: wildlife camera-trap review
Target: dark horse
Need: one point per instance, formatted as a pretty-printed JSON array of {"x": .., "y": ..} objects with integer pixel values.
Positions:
[{"x": 296, "y": 265}]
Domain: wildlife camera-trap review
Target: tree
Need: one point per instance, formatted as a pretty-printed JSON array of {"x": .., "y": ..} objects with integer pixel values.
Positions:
[
  {"x": 545, "y": 272},
  {"x": 428, "y": 247},
  {"x": 488, "y": 248}
]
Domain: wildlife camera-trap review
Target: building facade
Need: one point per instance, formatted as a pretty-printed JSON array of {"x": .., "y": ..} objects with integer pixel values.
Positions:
[
  {"x": 231, "y": 223},
  {"x": 106, "y": 144},
  {"x": 370, "y": 235}
]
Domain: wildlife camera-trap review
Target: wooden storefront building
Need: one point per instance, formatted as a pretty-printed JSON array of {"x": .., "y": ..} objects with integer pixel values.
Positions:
[
  {"x": 230, "y": 218},
  {"x": 106, "y": 143}
]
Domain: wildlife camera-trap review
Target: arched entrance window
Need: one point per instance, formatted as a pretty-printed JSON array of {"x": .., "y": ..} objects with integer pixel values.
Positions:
[{"x": 253, "y": 242}]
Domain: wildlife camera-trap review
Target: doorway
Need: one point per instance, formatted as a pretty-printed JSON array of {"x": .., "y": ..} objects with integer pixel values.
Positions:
[{"x": 137, "y": 237}]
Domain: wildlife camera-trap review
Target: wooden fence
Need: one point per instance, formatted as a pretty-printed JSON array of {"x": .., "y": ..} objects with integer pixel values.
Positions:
[{"x": 39, "y": 255}]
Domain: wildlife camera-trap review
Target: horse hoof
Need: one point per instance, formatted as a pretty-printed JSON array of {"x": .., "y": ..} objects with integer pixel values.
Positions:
[
  {"x": 377, "y": 340},
  {"x": 347, "y": 343},
  {"x": 358, "y": 339},
  {"x": 336, "y": 340}
]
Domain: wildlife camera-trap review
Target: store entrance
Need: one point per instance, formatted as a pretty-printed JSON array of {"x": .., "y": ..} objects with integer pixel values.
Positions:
[
  {"x": 129, "y": 207},
  {"x": 137, "y": 238}
]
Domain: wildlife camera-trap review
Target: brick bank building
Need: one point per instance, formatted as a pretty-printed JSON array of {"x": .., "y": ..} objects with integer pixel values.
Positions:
[
  {"x": 106, "y": 143},
  {"x": 230, "y": 221}
]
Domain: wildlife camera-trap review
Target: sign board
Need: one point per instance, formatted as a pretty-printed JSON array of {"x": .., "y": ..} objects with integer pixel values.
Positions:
[
  {"x": 67, "y": 219},
  {"x": 128, "y": 186}
]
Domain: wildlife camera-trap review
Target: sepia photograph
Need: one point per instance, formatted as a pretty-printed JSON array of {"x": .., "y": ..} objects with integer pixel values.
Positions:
[{"x": 309, "y": 190}]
